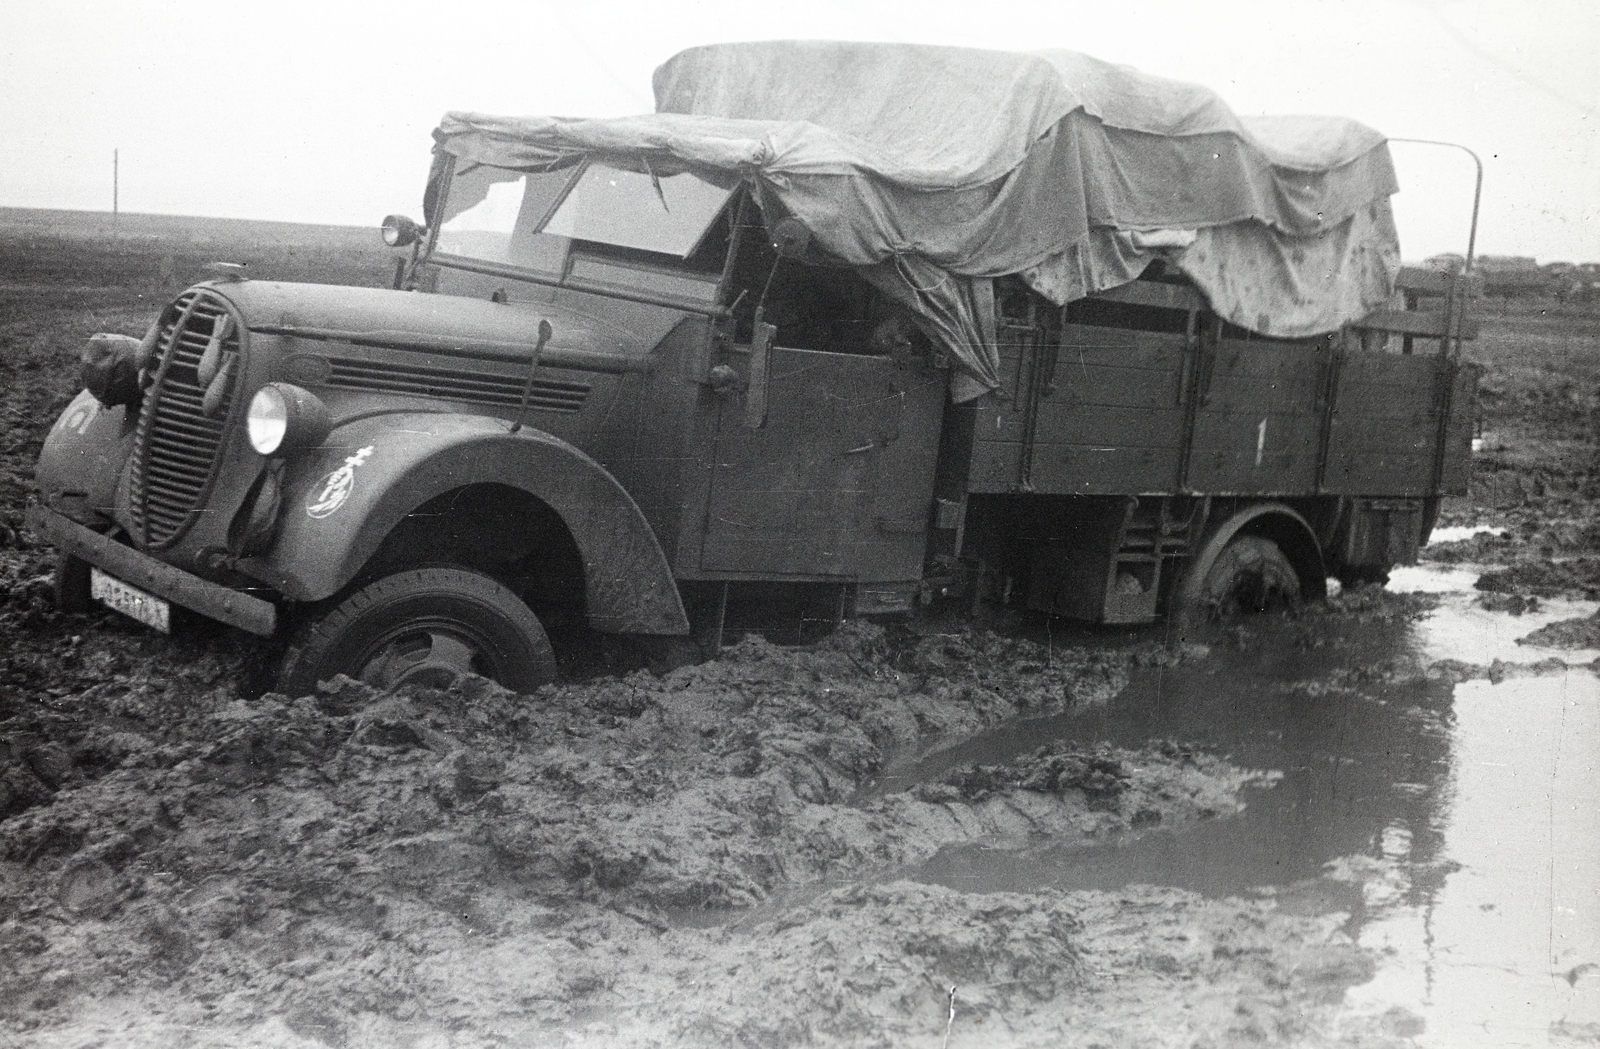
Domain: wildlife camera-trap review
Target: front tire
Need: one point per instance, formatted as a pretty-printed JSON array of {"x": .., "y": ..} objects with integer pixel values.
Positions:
[
  {"x": 424, "y": 626},
  {"x": 1250, "y": 575}
]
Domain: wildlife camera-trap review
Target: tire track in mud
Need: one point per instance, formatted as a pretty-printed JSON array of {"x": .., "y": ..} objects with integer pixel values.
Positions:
[{"x": 386, "y": 858}]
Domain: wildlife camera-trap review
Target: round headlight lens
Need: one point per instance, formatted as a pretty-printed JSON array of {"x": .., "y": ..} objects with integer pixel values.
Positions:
[
  {"x": 398, "y": 231},
  {"x": 284, "y": 418},
  {"x": 268, "y": 419}
]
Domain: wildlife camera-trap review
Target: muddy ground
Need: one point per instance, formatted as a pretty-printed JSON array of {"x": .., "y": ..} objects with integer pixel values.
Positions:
[{"x": 722, "y": 854}]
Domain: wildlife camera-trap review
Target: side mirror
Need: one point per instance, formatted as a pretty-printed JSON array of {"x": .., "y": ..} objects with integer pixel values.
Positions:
[{"x": 399, "y": 231}]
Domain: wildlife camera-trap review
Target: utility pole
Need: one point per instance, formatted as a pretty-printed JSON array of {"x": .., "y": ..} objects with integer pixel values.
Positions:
[{"x": 115, "y": 192}]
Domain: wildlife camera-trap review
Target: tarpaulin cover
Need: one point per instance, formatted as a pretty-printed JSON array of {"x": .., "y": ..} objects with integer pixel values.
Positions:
[{"x": 936, "y": 169}]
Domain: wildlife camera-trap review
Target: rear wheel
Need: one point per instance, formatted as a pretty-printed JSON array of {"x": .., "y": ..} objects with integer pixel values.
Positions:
[
  {"x": 425, "y": 626},
  {"x": 1250, "y": 575}
]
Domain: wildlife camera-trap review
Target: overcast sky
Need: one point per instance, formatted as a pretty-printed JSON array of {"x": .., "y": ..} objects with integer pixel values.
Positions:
[{"x": 321, "y": 111}]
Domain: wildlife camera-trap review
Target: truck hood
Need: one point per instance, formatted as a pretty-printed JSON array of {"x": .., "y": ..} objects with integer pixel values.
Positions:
[{"x": 416, "y": 320}]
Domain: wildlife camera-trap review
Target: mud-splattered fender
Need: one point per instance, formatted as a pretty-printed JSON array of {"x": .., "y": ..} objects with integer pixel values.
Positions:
[
  {"x": 341, "y": 500},
  {"x": 82, "y": 459}
]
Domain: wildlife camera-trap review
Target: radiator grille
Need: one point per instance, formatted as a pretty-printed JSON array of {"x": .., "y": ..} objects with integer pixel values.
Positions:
[
  {"x": 457, "y": 384},
  {"x": 177, "y": 443}
]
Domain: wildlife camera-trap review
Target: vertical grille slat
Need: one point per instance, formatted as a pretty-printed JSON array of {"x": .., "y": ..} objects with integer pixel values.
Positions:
[{"x": 177, "y": 448}]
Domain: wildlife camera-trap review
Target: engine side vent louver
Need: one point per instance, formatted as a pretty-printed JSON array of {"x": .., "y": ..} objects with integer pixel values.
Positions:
[
  {"x": 456, "y": 384},
  {"x": 179, "y": 437}
]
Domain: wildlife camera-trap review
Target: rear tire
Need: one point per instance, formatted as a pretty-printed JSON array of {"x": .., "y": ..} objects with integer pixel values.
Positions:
[
  {"x": 425, "y": 626},
  {"x": 1250, "y": 575}
]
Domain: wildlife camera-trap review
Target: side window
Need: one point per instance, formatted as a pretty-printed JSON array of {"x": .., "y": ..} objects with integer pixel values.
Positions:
[
  {"x": 820, "y": 309},
  {"x": 816, "y": 307}
]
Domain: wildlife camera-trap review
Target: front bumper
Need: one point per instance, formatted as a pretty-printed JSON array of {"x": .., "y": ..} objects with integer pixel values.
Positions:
[{"x": 212, "y": 600}]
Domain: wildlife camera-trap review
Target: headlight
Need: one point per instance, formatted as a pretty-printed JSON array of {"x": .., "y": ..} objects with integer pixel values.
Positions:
[
  {"x": 399, "y": 231},
  {"x": 284, "y": 418}
]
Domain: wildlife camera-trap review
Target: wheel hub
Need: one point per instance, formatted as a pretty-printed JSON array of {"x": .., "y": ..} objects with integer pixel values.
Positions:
[{"x": 432, "y": 657}]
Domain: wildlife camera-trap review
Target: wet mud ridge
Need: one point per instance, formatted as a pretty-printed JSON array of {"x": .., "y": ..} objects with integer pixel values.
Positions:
[
  {"x": 705, "y": 857},
  {"x": 787, "y": 846}
]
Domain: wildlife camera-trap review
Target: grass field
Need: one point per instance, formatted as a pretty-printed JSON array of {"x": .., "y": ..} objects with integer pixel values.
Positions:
[
  {"x": 83, "y": 249},
  {"x": 1539, "y": 413}
]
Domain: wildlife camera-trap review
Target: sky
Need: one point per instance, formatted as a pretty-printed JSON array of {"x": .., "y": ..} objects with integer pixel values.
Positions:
[{"x": 320, "y": 112}]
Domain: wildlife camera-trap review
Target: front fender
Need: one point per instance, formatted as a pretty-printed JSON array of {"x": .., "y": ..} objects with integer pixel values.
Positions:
[
  {"x": 341, "y": 500},
  {"x": 83, "y": 457}
]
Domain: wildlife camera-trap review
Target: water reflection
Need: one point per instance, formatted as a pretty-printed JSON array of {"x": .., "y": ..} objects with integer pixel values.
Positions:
[
  {"x": 1457, "y": 825},
  {"x": 1342, "y": 709},
  {"x": 1507, "y": 951}
]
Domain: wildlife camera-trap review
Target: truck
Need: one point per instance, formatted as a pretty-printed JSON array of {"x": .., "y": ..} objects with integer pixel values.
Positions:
[{"x": 878, "y": 325}]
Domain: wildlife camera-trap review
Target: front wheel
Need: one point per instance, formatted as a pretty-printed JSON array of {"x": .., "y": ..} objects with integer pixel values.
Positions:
[
  {"x": 425, "y": 626},
  {"x": 1250, "y": 575}
]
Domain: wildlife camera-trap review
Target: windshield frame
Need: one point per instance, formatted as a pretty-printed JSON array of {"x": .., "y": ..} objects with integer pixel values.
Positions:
[{"x": 643, "y": 260}]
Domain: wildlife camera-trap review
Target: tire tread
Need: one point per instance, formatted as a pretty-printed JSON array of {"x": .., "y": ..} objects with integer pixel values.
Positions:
[{"x": 317, "y": 640}]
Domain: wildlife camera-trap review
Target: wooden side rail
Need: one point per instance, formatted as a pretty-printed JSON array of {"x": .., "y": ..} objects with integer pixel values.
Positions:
[
  {"x": 1430, "y": 324},
  {"x": 1414, "y": 282},
  {"x": 1420, "y": 281},
  {"x": 1445, "y": 321},
  {"x": 1154, "y": 293}
]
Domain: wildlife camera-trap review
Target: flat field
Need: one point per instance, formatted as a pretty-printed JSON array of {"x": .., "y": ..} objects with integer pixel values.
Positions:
[{"x": 782, "y": 847}]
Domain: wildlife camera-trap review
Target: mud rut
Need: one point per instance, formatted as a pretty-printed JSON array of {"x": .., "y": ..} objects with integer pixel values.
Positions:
[{"x": 694, "y": 858}]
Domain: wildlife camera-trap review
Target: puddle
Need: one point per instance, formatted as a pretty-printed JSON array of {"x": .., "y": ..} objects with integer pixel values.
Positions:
[
  {"x": 1506, "y": 951},
  {"x": 1456, "y": 533},
  {"x": 1458, "y": 825},
  {"x": 1434, "y": 579},
  {"x": 1464, "y": 630},
  {"x": 1353, "y": 756}
]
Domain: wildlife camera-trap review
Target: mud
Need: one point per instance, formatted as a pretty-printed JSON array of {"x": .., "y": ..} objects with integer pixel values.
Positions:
[
  {"x": 492, "y": 865},
  {"x": 1579, "y": 632},
  {"x": 789, "y": 845},
  {"x": 1546, "y": 578}
]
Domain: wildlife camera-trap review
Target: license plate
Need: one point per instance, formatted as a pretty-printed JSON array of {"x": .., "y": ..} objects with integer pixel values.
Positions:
[{"x": 148, "y": 609}]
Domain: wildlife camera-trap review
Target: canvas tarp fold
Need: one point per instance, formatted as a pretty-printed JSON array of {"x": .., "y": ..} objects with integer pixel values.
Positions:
[{"x": 934, "y": 170}]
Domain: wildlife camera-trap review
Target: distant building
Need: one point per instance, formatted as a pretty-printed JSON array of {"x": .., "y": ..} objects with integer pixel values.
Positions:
[
  {"x": 1521, "y": 275},
  {"x": 1506, "y": 264}
]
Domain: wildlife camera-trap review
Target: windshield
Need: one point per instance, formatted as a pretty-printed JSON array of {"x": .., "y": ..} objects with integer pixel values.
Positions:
[{"x": 530, "y": 219}]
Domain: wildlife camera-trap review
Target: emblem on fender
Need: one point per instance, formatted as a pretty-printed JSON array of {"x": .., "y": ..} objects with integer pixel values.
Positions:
[{"x": 331, "y": 492}]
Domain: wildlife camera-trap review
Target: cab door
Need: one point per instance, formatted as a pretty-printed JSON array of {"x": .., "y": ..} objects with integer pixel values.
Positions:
[{"x": 838, "y": 482}]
